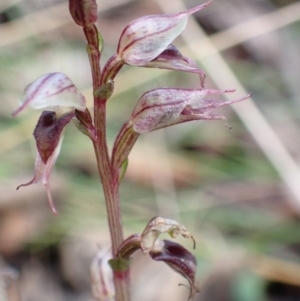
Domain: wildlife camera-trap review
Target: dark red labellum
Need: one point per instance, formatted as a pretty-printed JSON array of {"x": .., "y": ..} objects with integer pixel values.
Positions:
[
  {"x": 47, "y": 132},
  {"x": 178, "y": 258}
]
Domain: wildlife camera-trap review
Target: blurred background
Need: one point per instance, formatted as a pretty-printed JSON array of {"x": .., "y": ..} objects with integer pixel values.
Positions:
[{"x": 236, "y": 190}]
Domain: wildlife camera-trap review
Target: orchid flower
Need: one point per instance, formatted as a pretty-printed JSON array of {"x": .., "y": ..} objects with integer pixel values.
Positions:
[
  {"x": 173, "y": 254},
  {"x": 147, "y": 42},
  {"x": 51, "y": 91},
  {"x": 164, "y": 107},
  {"x": 144, "y": 39}
]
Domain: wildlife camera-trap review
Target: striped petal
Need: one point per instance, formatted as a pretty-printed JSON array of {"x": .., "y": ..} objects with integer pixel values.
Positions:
[
  {"x": 145, "y": 38},
  {"x": 50, "y": 91}
]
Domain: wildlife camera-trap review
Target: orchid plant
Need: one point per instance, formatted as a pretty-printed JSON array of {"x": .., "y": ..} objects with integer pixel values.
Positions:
[{"x": 145, "y": 42}]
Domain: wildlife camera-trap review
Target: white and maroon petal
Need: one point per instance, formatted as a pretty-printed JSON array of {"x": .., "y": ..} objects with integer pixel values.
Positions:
[
  {"x": 172, "y": 59},
  {"x": 50, "y": 91},
  {"x": 155, "y": 108},
  {"x": 145, "y": 38},
  {"x": 164, "y": 107},
  {"x": 43, "y": 171}
]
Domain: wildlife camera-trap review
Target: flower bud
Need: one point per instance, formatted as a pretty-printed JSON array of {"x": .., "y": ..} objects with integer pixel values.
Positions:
[
  {"x": 83, "y": 12},
  {"x": 102, "y": 277}
]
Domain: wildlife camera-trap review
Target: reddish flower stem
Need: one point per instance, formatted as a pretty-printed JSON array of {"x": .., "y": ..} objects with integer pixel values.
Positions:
[{"x": 110, "y": 188}]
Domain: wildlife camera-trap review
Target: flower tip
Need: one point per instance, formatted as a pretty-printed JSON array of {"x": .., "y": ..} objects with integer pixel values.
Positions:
[
  {"x": 244, "y": 98},
  {"x": 17, "y": 111},
  {"x": 194, "y": 242},
  {"x": 199, "y": 7},
  {"x": 229, "y": 91},
  {"x": 26, "y": 184},
  {"x": 54, "y": 211},
  {"x": 209, "y": 2},
  {"x": 50, "y": 201}
]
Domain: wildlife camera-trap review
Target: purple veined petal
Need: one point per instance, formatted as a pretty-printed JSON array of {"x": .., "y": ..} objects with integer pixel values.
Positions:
[
  {"x": 190, "y": 114},
  {"x": 50, "y": 91},
  {"x": 172, "y": 59},
  {"x": 145, "y": 38},
  {"x": 43, "y": 172},
  {"x": 164, "y": 107},
  {"x": 159, "y": 107},
  {"x": 208, "y": 105}
]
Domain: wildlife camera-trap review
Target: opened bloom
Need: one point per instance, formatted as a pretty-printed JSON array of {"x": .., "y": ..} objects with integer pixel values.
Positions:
[
  {"x": 147, "y": 42},
  {"x": 51, "y": 91},
  {"x": 164, "y": 107},
  {"x": 146, "y": 38},
  {"x": 169, "y": 252}
]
